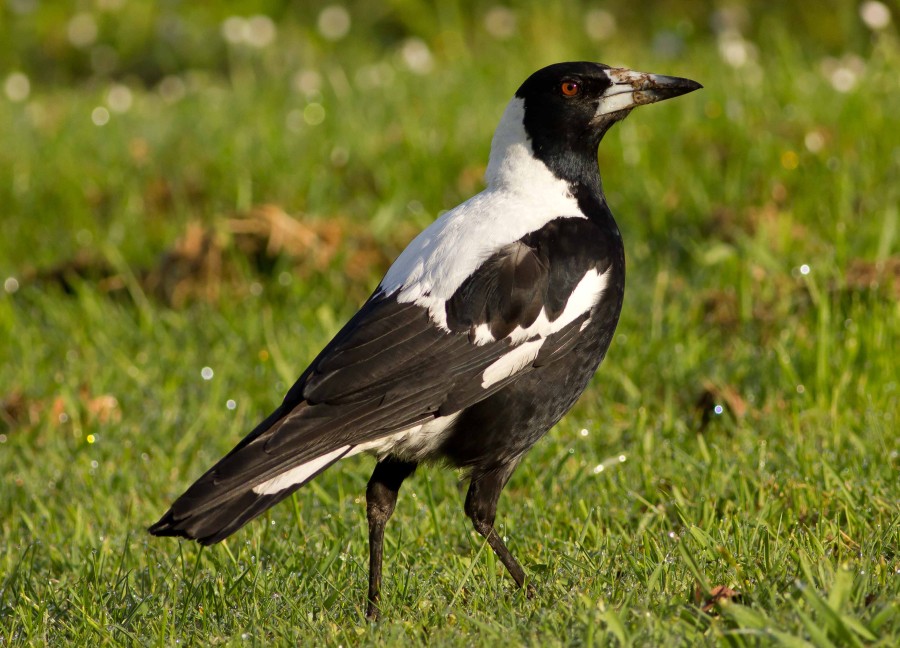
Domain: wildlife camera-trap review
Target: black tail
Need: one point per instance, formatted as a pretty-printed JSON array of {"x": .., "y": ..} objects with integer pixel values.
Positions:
[
  {"x": 244, "y": 483},
  {"x": 210, "y": 525}
]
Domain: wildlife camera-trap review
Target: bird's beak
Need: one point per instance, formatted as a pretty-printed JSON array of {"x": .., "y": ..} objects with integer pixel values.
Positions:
[{"x": 630, "y": 89}]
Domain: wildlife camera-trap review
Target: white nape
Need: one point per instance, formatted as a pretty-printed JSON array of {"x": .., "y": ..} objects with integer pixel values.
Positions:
[{"x": 522, "y": 196}]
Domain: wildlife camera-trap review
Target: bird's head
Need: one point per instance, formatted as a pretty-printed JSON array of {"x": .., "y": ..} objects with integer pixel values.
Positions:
[
  {"x": 563, "y": 111},
  {"x": 576, "y": 103}
]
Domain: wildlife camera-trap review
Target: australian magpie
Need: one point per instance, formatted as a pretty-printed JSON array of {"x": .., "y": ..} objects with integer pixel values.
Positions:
[{"x": 482, "y": 334}]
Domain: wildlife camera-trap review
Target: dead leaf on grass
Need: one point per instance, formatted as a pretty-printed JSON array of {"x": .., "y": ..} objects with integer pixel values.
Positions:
[
  {"x": 863, "y": 275},
  {"x": 270, "y": 230},
  {"x": 714, "y": 396},
  {"x": 67, "y": 274},
  {"x": 191, "y": 269},
  {"x": 205, "y": 259},
  {"x": 717, "y": 596},
  {"x": 18, "y": 410},
  {"x": 720, "y": 308}
]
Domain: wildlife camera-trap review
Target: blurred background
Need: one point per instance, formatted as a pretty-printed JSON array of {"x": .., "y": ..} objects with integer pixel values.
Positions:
[
  {"x": 195, "y": 196},
  {"x": 122, "y": 120}
]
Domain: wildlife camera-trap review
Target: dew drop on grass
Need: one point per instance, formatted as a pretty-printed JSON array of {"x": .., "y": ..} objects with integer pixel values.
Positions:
[
  {"x": 314, "y": 114},
  {"x": 17, "y": 87},
  {"x": 334, "y": 22},
  {"x": 171, "y": 89},
  {"x": 82, "y": 30},
  {"x": 875, "y": 14},
  {"x": 599, "y": 25},
  {"x": 814, "y": 141},
  {"x": 260, "y": 32},
  {"x": 119, "y": 98},
  {"x": 100, "y": 116},
  {"x": 417, "y": 56}
]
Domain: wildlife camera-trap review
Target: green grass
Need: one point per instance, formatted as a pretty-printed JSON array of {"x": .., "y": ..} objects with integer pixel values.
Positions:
[{"x": 789, "y": 495}]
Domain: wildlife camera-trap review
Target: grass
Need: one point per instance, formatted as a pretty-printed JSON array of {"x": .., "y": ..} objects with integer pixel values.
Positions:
[{"x": 742, "y": 431}]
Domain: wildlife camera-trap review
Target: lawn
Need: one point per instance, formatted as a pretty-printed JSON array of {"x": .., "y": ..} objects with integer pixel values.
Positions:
[{"x": 195, "y": 199}]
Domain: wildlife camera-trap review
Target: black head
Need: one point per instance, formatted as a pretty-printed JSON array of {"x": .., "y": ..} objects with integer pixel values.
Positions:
[{"x": 570, "y": 106}]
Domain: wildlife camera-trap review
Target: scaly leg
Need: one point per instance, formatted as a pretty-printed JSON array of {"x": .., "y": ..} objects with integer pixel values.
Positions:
[
  {"x": 481, "y": 507},
  {"x": 381, "y": 497}
]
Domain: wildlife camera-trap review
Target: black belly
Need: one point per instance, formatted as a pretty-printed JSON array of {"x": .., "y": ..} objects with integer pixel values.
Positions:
[{"x": 504, "y": 426}]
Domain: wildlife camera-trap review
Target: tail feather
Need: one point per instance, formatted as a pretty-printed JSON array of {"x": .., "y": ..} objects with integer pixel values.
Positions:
[
  {"x": 210, "y": 512},
  {"x": 216, "y": 524}
]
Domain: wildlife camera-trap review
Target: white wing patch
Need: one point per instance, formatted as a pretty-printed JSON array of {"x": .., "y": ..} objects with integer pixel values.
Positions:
[
  {"x": 302, "y": 473},
  {"x": 586, "y": 295},
  {"x": 529, "y": 340},
  {"x": 516, "y": 360}
]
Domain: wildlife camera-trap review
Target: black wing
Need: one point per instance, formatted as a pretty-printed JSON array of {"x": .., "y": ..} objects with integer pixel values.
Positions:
[{"x": 390, "y": 368}]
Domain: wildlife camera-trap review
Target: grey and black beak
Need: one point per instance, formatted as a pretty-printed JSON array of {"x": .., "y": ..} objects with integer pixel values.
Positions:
[{"x": 630, "y": 89}]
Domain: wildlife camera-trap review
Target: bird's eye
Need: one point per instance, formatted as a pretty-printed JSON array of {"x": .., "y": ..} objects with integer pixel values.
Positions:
[{"x": 570, "y": 88}]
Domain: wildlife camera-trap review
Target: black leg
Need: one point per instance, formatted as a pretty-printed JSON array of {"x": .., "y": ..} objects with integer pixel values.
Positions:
[
  {"x": 481, "y": 507},
  {"x": 381, "y": 497}
]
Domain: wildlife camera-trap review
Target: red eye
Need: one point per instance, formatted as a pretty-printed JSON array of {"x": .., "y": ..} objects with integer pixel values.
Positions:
[{"x": 570, "y": 88}]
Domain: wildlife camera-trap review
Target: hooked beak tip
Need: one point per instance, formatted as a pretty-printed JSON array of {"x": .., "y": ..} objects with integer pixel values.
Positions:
[{"x": 631, "y": 89}]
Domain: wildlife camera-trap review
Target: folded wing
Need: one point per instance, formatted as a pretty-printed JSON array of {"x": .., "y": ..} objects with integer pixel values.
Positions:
[{"x": 392, "y": 368}]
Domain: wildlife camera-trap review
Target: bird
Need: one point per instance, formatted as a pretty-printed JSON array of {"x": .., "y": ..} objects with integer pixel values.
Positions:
[{"x": 482, "y": 334}]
